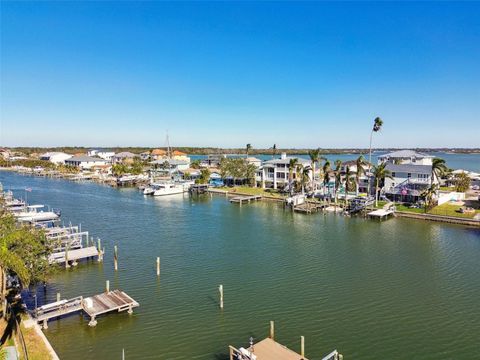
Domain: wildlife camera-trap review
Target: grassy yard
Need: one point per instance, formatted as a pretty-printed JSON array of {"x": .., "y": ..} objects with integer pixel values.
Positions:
[{"x": 451, "y": 210}]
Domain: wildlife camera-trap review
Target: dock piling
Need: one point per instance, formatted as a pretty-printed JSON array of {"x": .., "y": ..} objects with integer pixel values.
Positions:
[
  {"x": 115, "y": 257},
  {"x": 158, "y": 266},
  {"x": 302, "y": 346},
  {"x": 272, "y": 330},
  {"x": 220, "y": 289},
  {"x": 107, "y": 286},
  {"x": 58, "y": 296}
]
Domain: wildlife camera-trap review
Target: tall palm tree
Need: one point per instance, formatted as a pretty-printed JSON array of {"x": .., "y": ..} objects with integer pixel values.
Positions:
[
  {"x": 380, "y": 173},
  {"x": 360, "y": 163},
  {"x": 326, "y": 175},
  {"x": 439, "y": 168},
  {"x": 377, "y": 126},
  {"x": 292, "y": 166},
  {"x": 274, "y": 150},
  {"x": 314, "y": 159},
  {"x": 248, "y": 148},
  {"x": 338, "y": 177}
]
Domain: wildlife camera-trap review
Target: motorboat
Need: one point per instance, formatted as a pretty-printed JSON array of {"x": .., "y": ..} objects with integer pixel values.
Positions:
[
  {"x": 167, "y": 189},
  {"x": 34, "y": 214},
  {"x": 149, "y": 190}
]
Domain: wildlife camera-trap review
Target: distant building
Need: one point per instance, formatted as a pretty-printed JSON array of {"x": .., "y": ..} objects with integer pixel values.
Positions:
[
  {"x": 254, "y": 161},
  {"x": 179, "y": 155},
  {"x": 274, "y": 173},
  {"x": 123, "y": 157},
  {"x": 55, "y": 157},
  {"x": 5, "y": 153},
  {"x": 171, "y": 165},
  {"x": 406, "y": 157},
  {"x": 158, "y": 154},
  {"x": 85, "y": 162},
  {"x": 104, "y": 154}
]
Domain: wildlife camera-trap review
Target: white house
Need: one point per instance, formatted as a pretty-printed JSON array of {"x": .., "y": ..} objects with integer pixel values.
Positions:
[
  {"x": 55, "y": 157},
  {"x": 105, "y": 155},
  {"x": 411, "y": 174},
  {"x": 274, "y": 173},
  {"x": 85, "y": 162},
  {"x": 406, "y": 157},
  {"x": 125, "y": 156},
  {"x": 254, "y": 161}
]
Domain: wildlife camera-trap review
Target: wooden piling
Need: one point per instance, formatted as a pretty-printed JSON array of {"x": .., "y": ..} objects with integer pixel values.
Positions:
[
  {"x": 107, "y": 286},
  {"x": 99, "y": 245},
  {"x": 58, "y": 296},
  {"x": 272, "y": 330},
  {"x": 220, "y": 289},
  {"x": 158, "y": 266},
  {"x": 115, "y": 257},
  {"x": 302, "y": 346},
  {"x": 66, "y": 257}
]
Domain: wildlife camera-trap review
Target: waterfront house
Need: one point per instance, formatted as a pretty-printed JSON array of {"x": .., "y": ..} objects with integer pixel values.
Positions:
[
  {"x": 103, "y": 154},
  {"x": 145, "y": 155},
  {"x": 274, "y": 173},
  {"x": 5, "y": 153},
  {"x": 55, "y": 157},
  {"x": 411, "y": 175},
  {"x": 158, "y": 154},
  {"x": 254, "y": 161},
  {"x": 181, "y": 156},
  {"x": 85, "y": 162},
  {"x": 171, "y": 165},
  {"x": 123, "y": 157}
]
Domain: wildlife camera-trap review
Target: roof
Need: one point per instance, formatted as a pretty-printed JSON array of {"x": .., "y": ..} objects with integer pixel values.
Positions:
[
  {"x": 251, "y": 158},
  {"x": 178, "y": 153},
  {"x": 53, "y": 153},
  {"x": 286, "y": 161},
  {"x": 85, "y": 158},
  {"x": 404, "y": 154},
  {"x": 125, "y": 154},
  {"x": 170, "y": 161},
  {"x": 410, "y": 168},
  {"x": 159, "y": 152}
]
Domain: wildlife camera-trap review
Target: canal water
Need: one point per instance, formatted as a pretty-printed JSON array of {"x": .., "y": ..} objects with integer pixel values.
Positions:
[{"x": 397, "y": 289}]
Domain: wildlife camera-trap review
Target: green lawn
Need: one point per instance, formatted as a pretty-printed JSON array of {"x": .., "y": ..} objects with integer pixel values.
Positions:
[{"x": 451, "y": 210}]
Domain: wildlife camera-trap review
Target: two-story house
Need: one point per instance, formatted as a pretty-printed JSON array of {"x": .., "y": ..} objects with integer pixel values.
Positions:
[{"x": 274, "y": 173}]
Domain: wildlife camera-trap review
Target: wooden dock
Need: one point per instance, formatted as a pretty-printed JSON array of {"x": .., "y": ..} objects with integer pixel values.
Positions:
[
  {"x": 269, "y": 349},
  {"x": 73, "y": 255},
  {"x": 308, "y": 207},
  {"x": 93, "y": 306},
  {"x": 380, "y": 213},
  {"x": 241, "y": 199}
]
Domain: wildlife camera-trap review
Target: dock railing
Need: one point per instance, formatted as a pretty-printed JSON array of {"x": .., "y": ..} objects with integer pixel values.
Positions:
[{"x": 58, "y": 308}]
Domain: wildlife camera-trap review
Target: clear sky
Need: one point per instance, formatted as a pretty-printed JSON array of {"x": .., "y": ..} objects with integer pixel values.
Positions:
[{"x": 311, "y": 74}]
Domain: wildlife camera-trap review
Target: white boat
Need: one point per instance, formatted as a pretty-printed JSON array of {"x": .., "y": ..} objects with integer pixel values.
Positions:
[
  {"x": 167, "y": 189},
  {"x": 34, "y": 214},
  {"x": 148, "y": 190}
]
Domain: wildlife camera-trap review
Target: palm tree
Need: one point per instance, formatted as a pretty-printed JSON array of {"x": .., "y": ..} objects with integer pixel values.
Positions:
[
  {"x": 292, "y": 165},
  {"x": 326, "y": 174},
  {"x": 314, "y": 158},
  {"x": 439, "y": 168},
  {"x": 360, "y": 163},
  {"x": 428, "y": 195},
  {"x": 338, "y": 178},
  {"x": 349, "y": 180},
  {"x": 377, "y": 126},
  {"x": 380, "y": 173},
  {"x": 248, "y": 148}
]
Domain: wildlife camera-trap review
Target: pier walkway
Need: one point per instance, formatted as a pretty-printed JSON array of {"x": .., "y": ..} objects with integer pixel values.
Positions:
[
  {"x": 380, "y": 213},
  {"x": 73, "y": 255},
  {"x": 241, "y": 199},
  {"x": 93, "y": 306}
]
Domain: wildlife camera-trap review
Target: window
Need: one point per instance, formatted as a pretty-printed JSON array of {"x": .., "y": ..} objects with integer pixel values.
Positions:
[
  {"x": 393, "y": 173},
  {"x": 409, "y": 175}
]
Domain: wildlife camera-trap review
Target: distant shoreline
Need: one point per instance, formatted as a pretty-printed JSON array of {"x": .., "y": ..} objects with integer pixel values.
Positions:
[{"x": 212, "y": 150}]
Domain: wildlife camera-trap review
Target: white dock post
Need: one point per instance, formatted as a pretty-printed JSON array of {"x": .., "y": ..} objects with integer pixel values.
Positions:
[
  {"x": 302, "y": 346},
  {"x": 158, "y": 266},
  {"x": 66, "y": 258},
  {"x": 272, "y": 330},
  {"x": 58, "y": 297},
  {"x": 45, "y": 326},
  {"x": 115, "y": 257},
  {"x": 99, "y": 245},
  {"x": 220, "y": 289},
  {"x": 107, "y": 286}
]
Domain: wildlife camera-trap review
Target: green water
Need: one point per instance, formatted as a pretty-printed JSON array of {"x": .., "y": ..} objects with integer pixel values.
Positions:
[{"x": 399, "y": 289}]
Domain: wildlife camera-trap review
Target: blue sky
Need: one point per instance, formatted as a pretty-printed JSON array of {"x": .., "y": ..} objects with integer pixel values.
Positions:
[{"x": 311, "y": 74}]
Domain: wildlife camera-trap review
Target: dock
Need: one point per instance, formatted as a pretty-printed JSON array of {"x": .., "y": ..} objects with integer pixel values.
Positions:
[
  {"x": 93, "y": 306},
  {"x": 241, "y": 199},
  {"x": 269, "y": 349},
  {"x": 309, "y": 207},
  {"x": 73, "y": 255},
  {"x": 380, "y": 213}
]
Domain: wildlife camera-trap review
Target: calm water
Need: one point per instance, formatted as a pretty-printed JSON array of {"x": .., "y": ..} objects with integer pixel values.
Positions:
[
  {"x": 470, "y": 162},
  {"x": 399, "y": 289}
]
